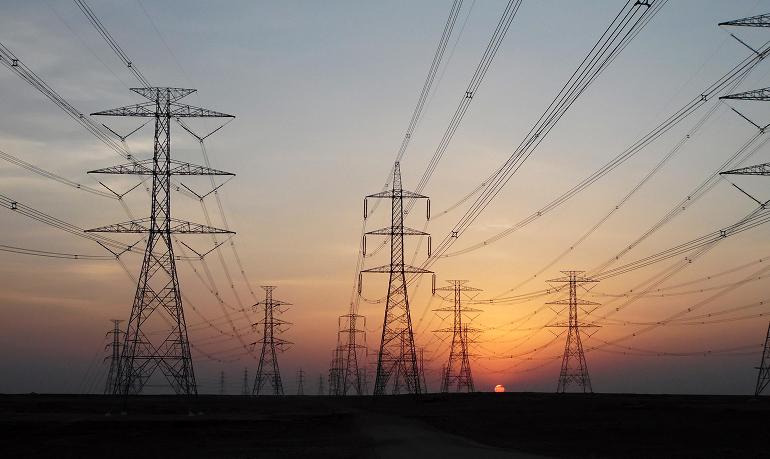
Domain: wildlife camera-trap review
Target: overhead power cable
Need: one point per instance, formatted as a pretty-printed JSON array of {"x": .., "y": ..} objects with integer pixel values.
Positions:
[
  {"x": 627, "y": 24},
  {"x": 111, "y": 42}
]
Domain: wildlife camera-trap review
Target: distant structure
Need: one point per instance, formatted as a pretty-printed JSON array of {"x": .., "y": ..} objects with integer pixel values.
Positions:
[
  {"x": 156, "y": 336},
  {"x": 222, "y": 390},
  {"x": 321, "y": 384},
  {"x": 573, "y": 364},
  {"x": 423, "y": 381},
  {"x": 760, "y": 169},
  {"x": 349, "y": 372},
  {"x": 336, "y": 371},
  {"x": 458, "y": 367},
  {"x": 110, "y": 388},
  {"x": 300, "y": 382},
  {"x": 245, "y": 386},
  {"x": 397, "y": 360},
  {"x": 271, "y": 345}
]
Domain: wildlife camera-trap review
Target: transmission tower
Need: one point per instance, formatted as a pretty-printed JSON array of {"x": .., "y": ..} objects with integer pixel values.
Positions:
[
  {"x": 423, "y": 381},
  {"x": 458, "y": 367},
  {"x": 320, "y": 384},
  {"x": 573, "y": 364},
  {"x": 271, "y": 345},
  {"x": 110, "y": 387},
  {"x": 336, "y": 371},
  {"x": 760, "y": 169},
  {"x": 300, "y": 382},
  {"x": 245, "y": 387},
  {"x": 157, "y": 309},
  {"x": 222, "y": 390},
  {"x": 397, "y": 360},
  {"x": 350, "y": 373}
]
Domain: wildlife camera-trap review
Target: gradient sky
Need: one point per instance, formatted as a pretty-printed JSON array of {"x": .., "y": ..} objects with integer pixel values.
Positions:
[{"x": 323, "y": 93}]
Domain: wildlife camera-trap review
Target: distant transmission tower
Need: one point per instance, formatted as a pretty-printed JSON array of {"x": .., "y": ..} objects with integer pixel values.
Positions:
[
  {"x": 423, "y": 381},
  {"x": 573, "y": 364},
  {"x": 458, "y": 367},
  {"x": 110, "y": 388},
  {"x": 337, "y": 371},
  {"x": 760, "y": 169},
  {"x": 271, "y": 345},
  {"x": 300, "y": 382},
  {"x": 350, "y": 373},
  {"x": 321, "y": 384},
  {"x": 222, "y": 390},
  {"x": 245, "y": 387},
  {"x": 157, "y": 309},
  {"x": 397, "y": 360}
]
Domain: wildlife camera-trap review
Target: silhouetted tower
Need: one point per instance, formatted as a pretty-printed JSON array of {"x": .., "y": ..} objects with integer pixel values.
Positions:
[
  {"x": 271, "y": 345},
  {"x": 458, "y": 367},
  {"x": 423, "y": 381},
  {"x": 245, "y": 387},
  {"x": 222, "y": 390},
  {"x": 157, "y": 309},
  {"x": 320, "y": 384},
  {"x": 336, "y": 371},
  {"x": 760, "y": 169},
  {"x": 573, "y": 364},
  {"x": 110, "y": 388},
  {"x": 349, "y": 373},
  {"x": 397, "y": 360},
  {"x": 300, "y": 382}
]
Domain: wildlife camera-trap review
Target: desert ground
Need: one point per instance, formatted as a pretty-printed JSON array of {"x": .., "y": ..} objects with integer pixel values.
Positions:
[{"x": 480, "y": 425}]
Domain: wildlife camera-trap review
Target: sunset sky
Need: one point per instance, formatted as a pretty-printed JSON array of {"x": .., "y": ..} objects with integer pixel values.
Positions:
[{"x": 323, "y": 93}]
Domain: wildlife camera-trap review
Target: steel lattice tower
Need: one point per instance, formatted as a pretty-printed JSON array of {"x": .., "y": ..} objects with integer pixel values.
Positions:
[
  {"x": 158, "y": 302},
  {"x": 320, "y": 384},
  {"x": 336, "y": 371},
  {"x": 109, "y": 388},
  {"x": 245, "y": 387},
  {"x": 222, "y": 390},
  {"x": 350, "y": 373},
  {"x": 300, "y": 382},
  {"x": 423, "y": 381},
  {"x": 760, "y": 169},
  {"x": 762, "y": 20},
  {"x": 573, "y": 364},
  {"x": 397, "y": 360},
  {"x": 271, "y": 345},
  {"x": 458, "y": 367}
]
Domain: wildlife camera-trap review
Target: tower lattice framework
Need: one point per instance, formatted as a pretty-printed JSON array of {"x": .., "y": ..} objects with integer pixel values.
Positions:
[
  {"x": 350, "y": 373},
  {"x": 457, "y": 371},
  {"x": 114, "y": 356},
  {"x": 397, "y": 360},
  {"x": 760, "y": 169},
  {"x": 573, "y": 364},
  {"x": 156, "y": 336},
  {"x": 271, "y": 345}
]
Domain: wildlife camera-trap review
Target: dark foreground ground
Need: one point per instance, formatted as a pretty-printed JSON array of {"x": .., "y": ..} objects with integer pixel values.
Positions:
[{"x": 552, "y": 425}]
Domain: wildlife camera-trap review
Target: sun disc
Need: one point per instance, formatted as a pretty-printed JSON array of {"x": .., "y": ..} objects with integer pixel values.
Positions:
[{"x": 499, "y": 388}]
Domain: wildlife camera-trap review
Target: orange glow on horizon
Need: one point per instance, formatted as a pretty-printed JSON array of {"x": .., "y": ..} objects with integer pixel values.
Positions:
[{"x": 499, "y": 388}]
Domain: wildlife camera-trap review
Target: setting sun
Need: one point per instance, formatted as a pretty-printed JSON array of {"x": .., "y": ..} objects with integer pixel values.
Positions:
[{"x": 499, "y": 388}]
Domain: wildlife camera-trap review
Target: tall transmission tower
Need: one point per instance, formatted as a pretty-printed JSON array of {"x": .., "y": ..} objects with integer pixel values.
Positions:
[
  {"x": 336, "y": 371},
  {"x": 320, "y": 384},
  {"x": 110, "y": 387},
  {"x": 397, "y": 360},
  {"x": 458, "y": 367},
  {"x": 222, "y": 390},
  {"x": 573, "y": 364},
  {"x": 245, "y": 387},
  {"x": 300, "y": 382},
  {"x": 271, "y": 345},
  {"x": 157, "y": 308},
  {"x": 350, "y": 372},
  {"x": 760, "y": 169}
]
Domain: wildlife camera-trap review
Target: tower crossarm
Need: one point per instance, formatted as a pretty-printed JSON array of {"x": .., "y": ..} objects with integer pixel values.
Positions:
[
  {"x": 144, "y": 167},
  {"x": 754, "y": 94},
  {"x": 402, "y": 231},
  {"x": 761, "y": 20},
  {"x": 465, "y": 329},
  {"x": 759, "y": 169},
  {"x": 576, "y": 324},
  {"x": 144, "y": 225},
  {"x": 389, "y": 268},
  {"x": 390, "y": 194},
  {"x": 578, "y": 302},
  {"x": 452, "y": 309},
  {"x": 154, "y": 93},
  {"x": 148, "y": 110}
]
